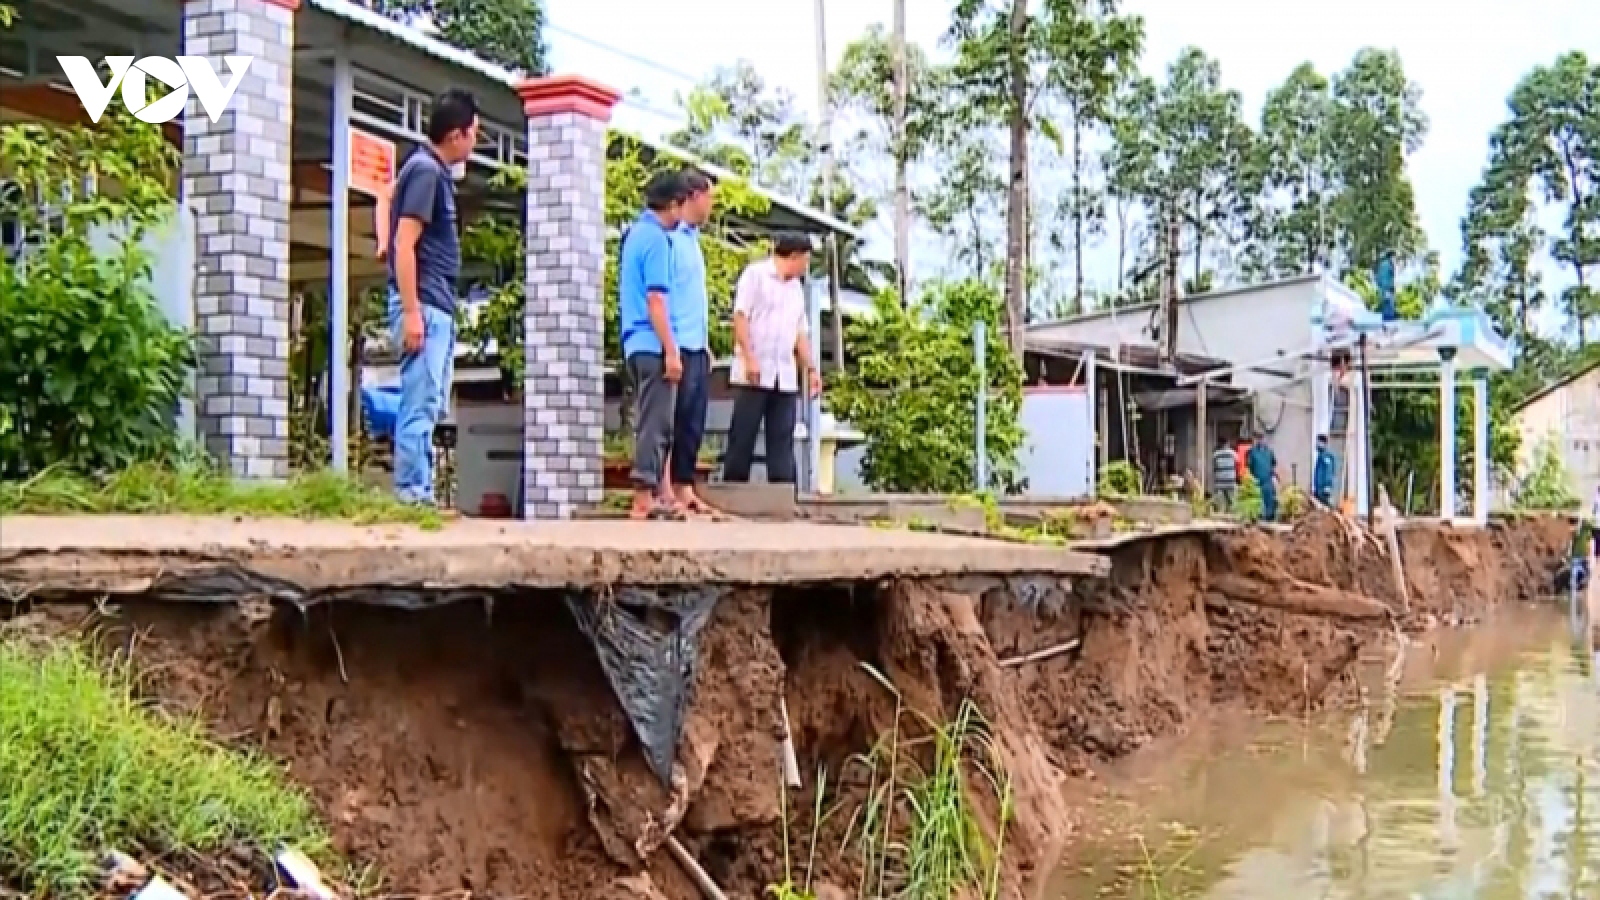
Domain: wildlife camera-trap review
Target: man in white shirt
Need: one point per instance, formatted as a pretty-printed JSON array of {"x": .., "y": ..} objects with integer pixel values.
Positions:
[{"x": 772, "y": 359}]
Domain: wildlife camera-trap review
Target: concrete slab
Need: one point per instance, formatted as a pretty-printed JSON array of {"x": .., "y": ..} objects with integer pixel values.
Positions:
[{"x": 130, "y": 554}]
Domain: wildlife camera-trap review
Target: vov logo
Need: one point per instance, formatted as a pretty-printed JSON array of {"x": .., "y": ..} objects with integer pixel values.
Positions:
[{"x": 182, "y": 74}]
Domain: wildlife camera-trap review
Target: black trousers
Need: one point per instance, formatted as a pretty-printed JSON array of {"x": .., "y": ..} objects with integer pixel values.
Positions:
[{"x": 752, "y": 407}]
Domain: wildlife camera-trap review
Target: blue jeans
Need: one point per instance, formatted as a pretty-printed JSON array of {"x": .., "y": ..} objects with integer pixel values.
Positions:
[
  {"x": 1269, "y": 502},
  {"x": 424, "y": 399}
]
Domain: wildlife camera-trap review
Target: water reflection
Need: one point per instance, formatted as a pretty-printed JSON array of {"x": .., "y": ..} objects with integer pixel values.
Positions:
[{"x": 1470, "y": 771}]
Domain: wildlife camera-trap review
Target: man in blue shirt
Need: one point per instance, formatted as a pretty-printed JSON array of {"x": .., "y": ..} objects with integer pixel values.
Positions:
[
  {"x": 1263, "y": 466},
  {"x": 690, "y": 312},
  {"x": 424, "y": 263},
  {"x": 644, "y": 282},
  {"x": 1322, "y": 473}
]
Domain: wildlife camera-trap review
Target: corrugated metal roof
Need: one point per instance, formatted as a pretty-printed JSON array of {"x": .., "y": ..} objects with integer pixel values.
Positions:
[{"x": 358, "y": 15}]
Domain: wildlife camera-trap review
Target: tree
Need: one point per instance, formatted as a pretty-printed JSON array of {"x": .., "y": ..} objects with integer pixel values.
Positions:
[
  {"x": 1298, "y": 173},
  {"x": 914, "y": 391},
  {"x": 1180, "y": 148},
  {"x": 1377, "y": 123},
  {"x": 861, "y": 89},
  {"x": 1101, "y": 50},
  {"x": 1550, "y": 146},
  {"x": 508, "y": 32},
  {"x": 737, "y": 121}
]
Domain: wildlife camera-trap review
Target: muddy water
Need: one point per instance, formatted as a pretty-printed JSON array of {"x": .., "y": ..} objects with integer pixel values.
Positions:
[{"x": 1472, "y": 770}]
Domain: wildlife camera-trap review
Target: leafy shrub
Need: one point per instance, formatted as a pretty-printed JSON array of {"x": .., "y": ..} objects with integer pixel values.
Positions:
[
  {"x": 1293, "y": 504},
  {"x": 1546, "y": 486},
  {"x": 914, "y": 389},
  {"x": 91, "y": 372},
  {"x": 1120, "y": 479},
  {"x": 1247, "y": 500}
]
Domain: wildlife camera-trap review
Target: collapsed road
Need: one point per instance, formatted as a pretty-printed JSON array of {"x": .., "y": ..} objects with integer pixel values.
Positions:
[{"x": 460, "y": 734}]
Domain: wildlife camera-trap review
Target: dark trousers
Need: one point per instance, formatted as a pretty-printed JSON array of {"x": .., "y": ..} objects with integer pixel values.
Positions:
[
  {"x": 751, "y": 407},
  {"x": 689, "y": 422},
  {"x": 654, "y": 401}
]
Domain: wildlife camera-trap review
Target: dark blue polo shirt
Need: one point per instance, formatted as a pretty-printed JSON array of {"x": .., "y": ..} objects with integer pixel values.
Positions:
[{"x": 426, "y": 192}]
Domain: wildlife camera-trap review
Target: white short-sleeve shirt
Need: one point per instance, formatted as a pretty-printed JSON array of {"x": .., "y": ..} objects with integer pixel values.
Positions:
[{"x": 776, "y": 310}]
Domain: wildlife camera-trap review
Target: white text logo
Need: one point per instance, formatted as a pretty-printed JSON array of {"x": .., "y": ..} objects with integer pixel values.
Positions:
[{"x": 179, "y": 75}]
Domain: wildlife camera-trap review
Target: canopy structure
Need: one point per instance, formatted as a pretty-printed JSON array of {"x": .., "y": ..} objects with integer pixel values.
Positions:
[{"x": 1414, "y": 354}]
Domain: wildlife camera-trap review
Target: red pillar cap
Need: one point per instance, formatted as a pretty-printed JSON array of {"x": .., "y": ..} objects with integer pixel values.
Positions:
[{"x": 567, "y": 93}]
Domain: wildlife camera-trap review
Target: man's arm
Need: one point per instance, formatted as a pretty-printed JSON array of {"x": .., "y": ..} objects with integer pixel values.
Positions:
[
  {"x": 809, "y": 375},
  {"x": 743, "y": 301},
  {"x": 414, "y": 198},
  {"x": 380, "y": 219},
  {"x": 657, "y": 262}
]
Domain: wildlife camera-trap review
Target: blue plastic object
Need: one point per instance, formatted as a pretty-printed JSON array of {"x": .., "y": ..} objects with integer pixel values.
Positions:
[{"x": 380, "y": 406}]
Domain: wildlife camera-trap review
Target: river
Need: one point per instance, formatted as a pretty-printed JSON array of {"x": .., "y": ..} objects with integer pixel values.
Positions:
[{"x": 1470, "y": 771}]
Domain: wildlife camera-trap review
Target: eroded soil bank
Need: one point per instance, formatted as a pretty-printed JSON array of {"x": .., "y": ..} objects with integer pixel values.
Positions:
[{"x": 478, "y": 746}]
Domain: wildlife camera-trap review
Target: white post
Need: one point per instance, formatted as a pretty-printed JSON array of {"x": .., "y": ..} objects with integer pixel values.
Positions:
[
  {"x": 980, "y": 340},
  {"x": 1480, "y": 446},
  {"x": 339, "y": 249},
  {"x": 1480, "y": 734},
  {"x": 1091, "y": 383},
  {"x": 1447, "y": 433},
  {"x": 814, "y": 405}
]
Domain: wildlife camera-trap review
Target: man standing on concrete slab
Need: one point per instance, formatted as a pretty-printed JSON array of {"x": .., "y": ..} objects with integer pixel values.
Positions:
[
  {"x": 655, "y": 365},
  {"x": 690, "y": 312},
  {"x": 773, "y": 358},
  {"x": 1263, "y": 465},
  {"x": 424, "y": 263},
  {"x": 1224, "y": 477}
]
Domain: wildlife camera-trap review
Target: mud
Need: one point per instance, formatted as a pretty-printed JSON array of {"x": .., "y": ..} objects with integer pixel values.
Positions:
[{"x": 477, "y": 746}]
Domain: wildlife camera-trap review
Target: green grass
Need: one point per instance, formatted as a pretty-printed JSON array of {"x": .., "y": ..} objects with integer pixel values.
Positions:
[
  {"x": 941, "y": 849},
  {"x": 86, "y": 768},
  {"x": 151, "y": 489}
]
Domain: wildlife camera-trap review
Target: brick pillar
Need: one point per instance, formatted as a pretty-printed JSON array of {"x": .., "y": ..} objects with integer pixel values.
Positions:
[
  {"x": 564, "y": 369},
  {"x": 236, "y": 180}
]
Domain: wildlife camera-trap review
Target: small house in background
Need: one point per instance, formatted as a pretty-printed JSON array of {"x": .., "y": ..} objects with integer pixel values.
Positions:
[
  {"x": 1564, "y": 416},
  {"x": 1259, "y": 341}
]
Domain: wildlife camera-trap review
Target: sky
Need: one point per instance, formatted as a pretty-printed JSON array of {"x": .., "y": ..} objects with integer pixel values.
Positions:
[{"x": 1467, "y": 55}]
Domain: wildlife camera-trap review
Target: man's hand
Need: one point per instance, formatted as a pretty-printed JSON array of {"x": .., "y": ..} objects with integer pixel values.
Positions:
[
  {"x": 814, "y": 381},
  {"x": 674, "y": 366},
  {"x": 752, "y": 371},
  {"x": 411, "y": 330}
]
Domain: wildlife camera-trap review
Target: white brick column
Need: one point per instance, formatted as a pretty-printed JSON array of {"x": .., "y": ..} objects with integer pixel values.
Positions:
[
  {"x": 563, "y": 385},
  {"x": 236, "y": 180}
]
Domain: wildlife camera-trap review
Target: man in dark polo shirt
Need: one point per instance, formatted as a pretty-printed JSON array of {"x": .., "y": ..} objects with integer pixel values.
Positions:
[{"x": 424, "y": 262}]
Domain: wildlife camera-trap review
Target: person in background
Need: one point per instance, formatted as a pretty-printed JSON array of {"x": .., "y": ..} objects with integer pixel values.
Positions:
[
  {"x": 644, "y": 283},
  {"x": 424, "y": 260},
  {"x": 1322, "y": 473},
  {"x": 1594, "y": 523},
  {"x": 1263, "y": 466},
  {"x": 1224, "y": 477},
  {"x": 690, "y": 314},
  {"x": 772, "y": 360}
]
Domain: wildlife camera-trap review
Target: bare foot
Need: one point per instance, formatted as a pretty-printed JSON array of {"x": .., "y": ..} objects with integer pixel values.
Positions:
[{"x": 644, "y": 503}]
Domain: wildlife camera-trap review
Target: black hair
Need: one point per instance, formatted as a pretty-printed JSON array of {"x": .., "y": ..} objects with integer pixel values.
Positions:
[
  {"x": 791, "y": 243},
  {"x": 664, "y": 191},
  {"x": 695, "y": 181},
  {"x": 452, "y": 111}
]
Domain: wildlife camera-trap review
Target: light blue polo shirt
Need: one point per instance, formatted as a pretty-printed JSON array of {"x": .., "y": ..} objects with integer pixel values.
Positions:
[
  {"x": 644, "y": 265},
  {"x": 690, "y": 307}
]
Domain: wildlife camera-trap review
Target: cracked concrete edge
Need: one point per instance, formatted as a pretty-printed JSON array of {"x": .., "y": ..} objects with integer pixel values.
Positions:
[{"x": 126, "y": 572}]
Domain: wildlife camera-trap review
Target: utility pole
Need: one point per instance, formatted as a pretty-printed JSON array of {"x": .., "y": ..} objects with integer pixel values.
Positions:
[
  {"x": 902, "y": 190},
  {"x": 1169, "y": 293},
  {"x": 825, "y": 146}
]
